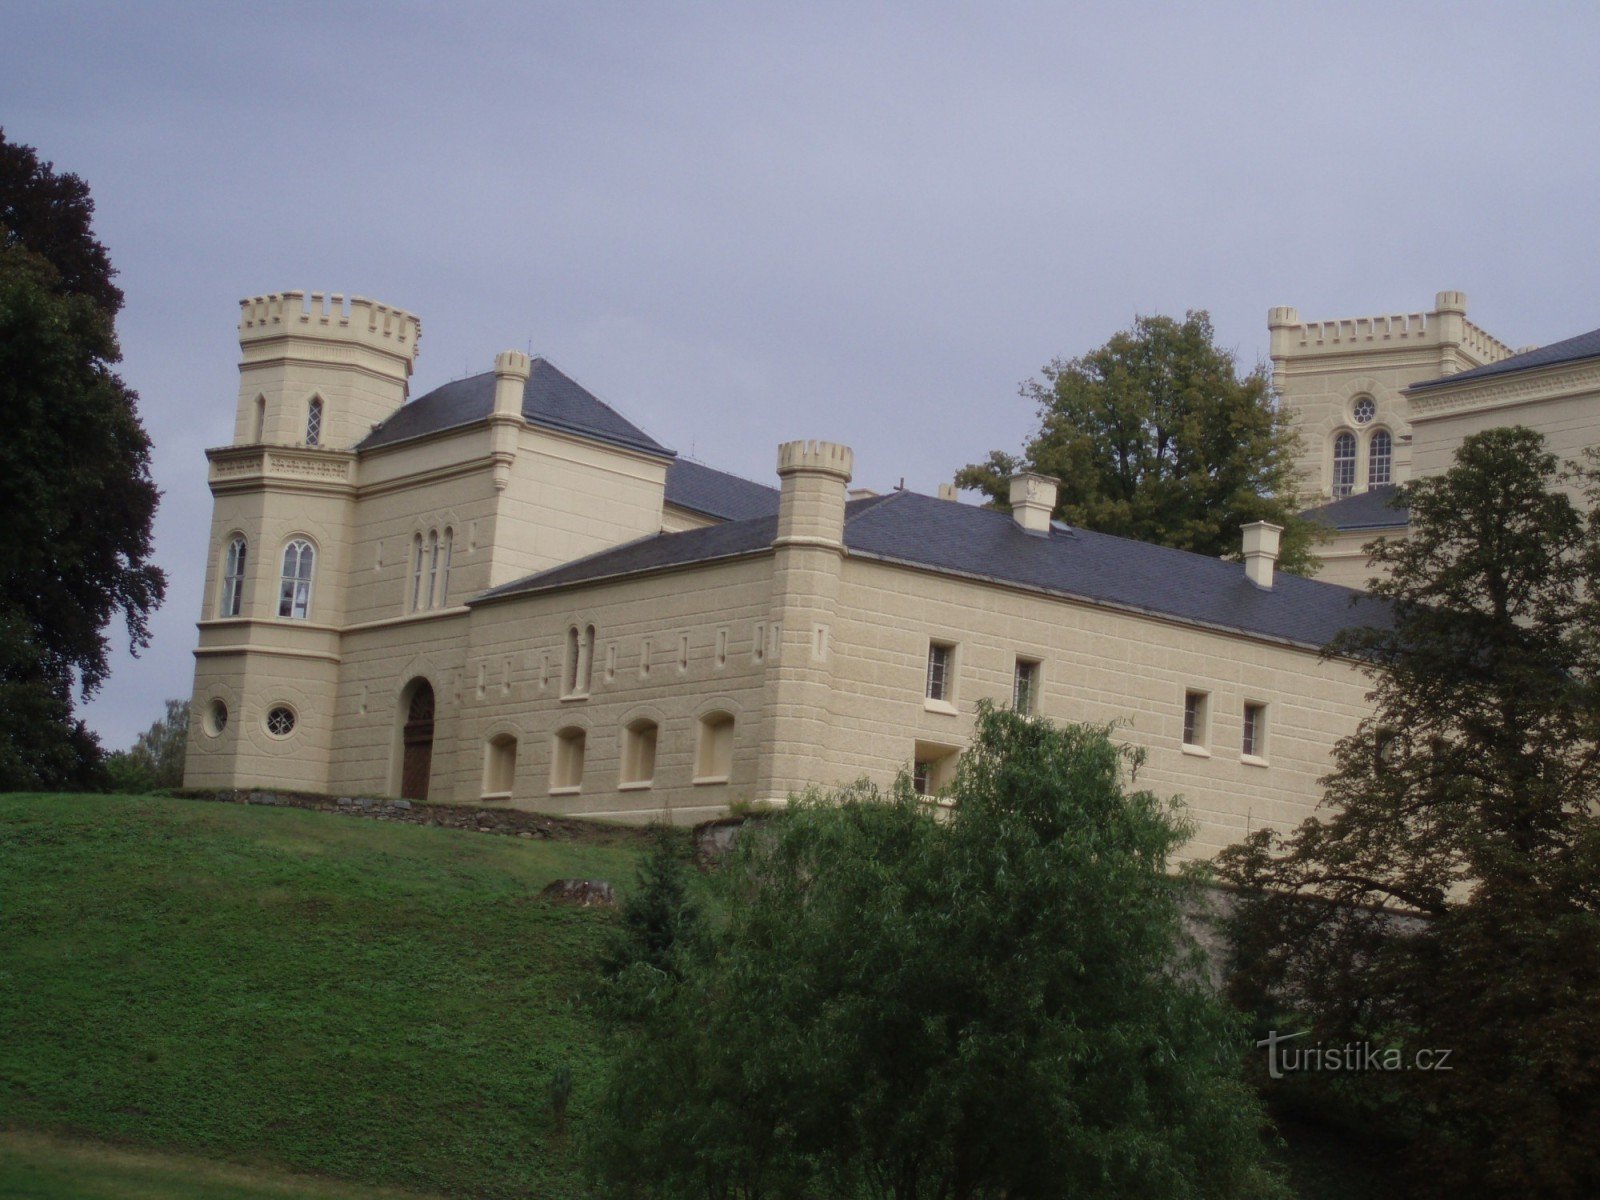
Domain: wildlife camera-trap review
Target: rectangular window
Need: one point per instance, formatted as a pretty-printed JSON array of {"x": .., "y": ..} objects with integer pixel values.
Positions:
[
  {"x": 1025, "y": 686},
  {"x": 759, "y": 643},
  {"x": 683, "y": 652},
  {"x": 722, "y": 647},
  {"x": 933, "y": 767},
  {"x": 939, "y": 681},
  {"x": 921, "y": 775},
  {"x": 1254, "y": 742},
  {"x": 644, "y": 658},
  {"x": 1194, "y": 718}
]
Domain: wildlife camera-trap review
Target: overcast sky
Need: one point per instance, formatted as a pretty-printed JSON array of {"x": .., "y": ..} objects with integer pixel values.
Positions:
[{"x": 746, "y": 223}]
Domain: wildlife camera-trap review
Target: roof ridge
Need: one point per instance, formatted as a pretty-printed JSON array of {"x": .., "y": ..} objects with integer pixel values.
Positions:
[{"x": 603, "y": 403}]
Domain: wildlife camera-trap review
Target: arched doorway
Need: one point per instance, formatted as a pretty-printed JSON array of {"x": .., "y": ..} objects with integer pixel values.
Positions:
[{"x": 416, "y": 738}]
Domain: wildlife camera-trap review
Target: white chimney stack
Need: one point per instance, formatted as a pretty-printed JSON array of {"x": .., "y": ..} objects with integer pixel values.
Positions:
[
  {"x": 1033, "y": 499},
  {"x": 1261, "y": 552}
]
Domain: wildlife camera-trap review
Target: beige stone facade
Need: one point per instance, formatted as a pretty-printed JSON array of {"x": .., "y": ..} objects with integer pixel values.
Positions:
[
  {"x": 503, "y": 594},
  {"x": 1379, "y": 400}
]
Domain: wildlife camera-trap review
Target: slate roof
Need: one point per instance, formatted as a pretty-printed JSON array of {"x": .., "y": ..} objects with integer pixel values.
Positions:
[
  {"x": 977, "y": 543},
  {"x": 549, "y": 399},
  {"x": 1375, "y": 508},
  {"x": 1574, "y": 349},
  {"x": 704, "y": 489}
]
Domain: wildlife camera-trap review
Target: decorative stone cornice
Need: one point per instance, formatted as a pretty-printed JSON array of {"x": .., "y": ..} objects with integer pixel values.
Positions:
[{"x": 1552, "y": 383}]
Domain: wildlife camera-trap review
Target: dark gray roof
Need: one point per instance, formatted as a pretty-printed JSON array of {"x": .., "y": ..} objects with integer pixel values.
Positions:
[
  {"x": 1574, "y": 349},
  {"x": 1375, "y": 508},
  {"x": 958, "y": 539},
  {"x": 549, "y": 399},
  {"x": 717, "y": 494}
]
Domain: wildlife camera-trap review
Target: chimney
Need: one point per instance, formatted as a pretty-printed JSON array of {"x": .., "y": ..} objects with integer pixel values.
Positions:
[
  {"x": 1033, "y": 499},
  {"x": 511, "y": 370},
  {"x": 1261, "y": 552}
]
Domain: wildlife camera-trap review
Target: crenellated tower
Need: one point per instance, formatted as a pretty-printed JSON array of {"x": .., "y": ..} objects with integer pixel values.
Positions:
[
  {"x": 808, "y": 553},
  {"x": 319, "y": 370},
  {"x": 1341, "y": 382},
  {"x": 315, "y": 374}
]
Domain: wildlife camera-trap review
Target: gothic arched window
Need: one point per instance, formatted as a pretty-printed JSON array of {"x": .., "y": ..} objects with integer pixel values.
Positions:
[
  {"x": 1344, "y": 463},
  {"x": 314, "y": 422},
  {"x": 444, "y": 567},
  {"x": 433, "y": 569},
  {"x": 1380, "y": 458},
  {"x": 294, "y": 596},
  {"x": 416, "y": 573},
  {"x": 233, "y": 577}
]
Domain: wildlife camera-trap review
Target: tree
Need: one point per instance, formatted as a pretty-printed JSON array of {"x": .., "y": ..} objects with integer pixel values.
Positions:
[
  {"x": 74, "y": 476},
  {"x": 895, "y": 1005},
  {"x": 1468, "y": 802},
  {"x": 156, "y": 760},
  {"x": 657, "y": 916},
  {"x": 1156, "y": 436}
]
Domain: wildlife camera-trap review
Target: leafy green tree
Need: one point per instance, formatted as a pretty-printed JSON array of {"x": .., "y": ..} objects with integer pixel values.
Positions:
[
  {"x": 74, "y": 476},
  {"x": 156, "y": 760},
  {"x": 1156, "y": 436},
  {"x": 1001, "y": 1003},
  {"x": 1469, "y": 800},
  {"x": 657, "y": 916}
]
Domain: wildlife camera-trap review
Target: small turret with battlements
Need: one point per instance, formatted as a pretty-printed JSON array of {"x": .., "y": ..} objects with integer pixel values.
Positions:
[{"x": 319, "y": 370}]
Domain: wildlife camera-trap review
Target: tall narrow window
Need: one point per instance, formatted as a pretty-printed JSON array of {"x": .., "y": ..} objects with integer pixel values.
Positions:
[
  {"x": 261, "y": 419},
  {"x": 1344, "y": 463},
  {"x": 416, "y": 573},
  {"x": 433, "y": 568},
  {"x": 294, "y": 596},
  {"x": 444, "y": 567},
  {"x": 588, "y": 658},
  {"x": 1025, "y": 686},
  {"x": 1254, "y": 742},
  {"x": 1380, "y": 458},
  {"x": 1194, "y": 719},
  {"x": 939, "y": 655},
  {"x": 314, "y": 422},
  {"x": 573, "y": 645},
  {"x": 233, "y": 577}
]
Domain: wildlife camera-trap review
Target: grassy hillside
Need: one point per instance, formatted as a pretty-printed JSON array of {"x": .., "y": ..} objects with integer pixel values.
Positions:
[{"x": 372, "y": 1001}]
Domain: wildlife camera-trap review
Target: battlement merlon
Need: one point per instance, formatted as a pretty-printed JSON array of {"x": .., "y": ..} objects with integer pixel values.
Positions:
[
  {"x": 1445, "y": 326},
  {"x": 326, "y": 316}
]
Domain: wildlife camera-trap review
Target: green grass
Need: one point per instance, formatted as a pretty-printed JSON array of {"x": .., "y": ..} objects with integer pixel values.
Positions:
[
  {"x": 39, "y": 1167},
  {"x": 370, "y": 1001}
]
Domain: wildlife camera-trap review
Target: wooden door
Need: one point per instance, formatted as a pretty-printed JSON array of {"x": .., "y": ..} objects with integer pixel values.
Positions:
[{"x": 417, "y": 765}]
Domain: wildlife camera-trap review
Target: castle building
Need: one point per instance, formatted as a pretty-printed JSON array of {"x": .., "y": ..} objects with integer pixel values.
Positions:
[
  {"x": 1378, "y": 400},
  {"x": 505, "y": 593}
]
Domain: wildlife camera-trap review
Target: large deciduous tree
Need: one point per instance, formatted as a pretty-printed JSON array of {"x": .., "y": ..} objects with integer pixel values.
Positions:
[
  {"x": 1469, "y": 802},
  {"x": 884, "y": 1003},
  {"x": 75, "y": 482},
  {"x": 1157, "y": 436}
]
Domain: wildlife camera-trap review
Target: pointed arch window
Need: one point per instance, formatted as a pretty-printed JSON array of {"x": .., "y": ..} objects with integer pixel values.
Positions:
[
  {"x": 1344, "y": 463},
  {"x": 314, "y": 422},
  {"x": 433, "y": 568},
  {"x": 261, "y": 419},
  {"x": 1380, "y": 458},
  {"x": 233, "y": 577},
  {"x": 294, "y": 596},
  {"x": 416, "y": 573},
  {"x": 444, "y": 566}
]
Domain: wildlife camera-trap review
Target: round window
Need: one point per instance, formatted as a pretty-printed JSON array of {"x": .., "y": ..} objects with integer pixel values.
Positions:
[
  {"x": 280, "y": 721},
  {"x": 1365, "y": 409},
  {"x": 216, "y": 717}
]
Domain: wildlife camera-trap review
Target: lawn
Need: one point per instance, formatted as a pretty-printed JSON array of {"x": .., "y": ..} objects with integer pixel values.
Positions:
[{"x": 376, "y": 1002}]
